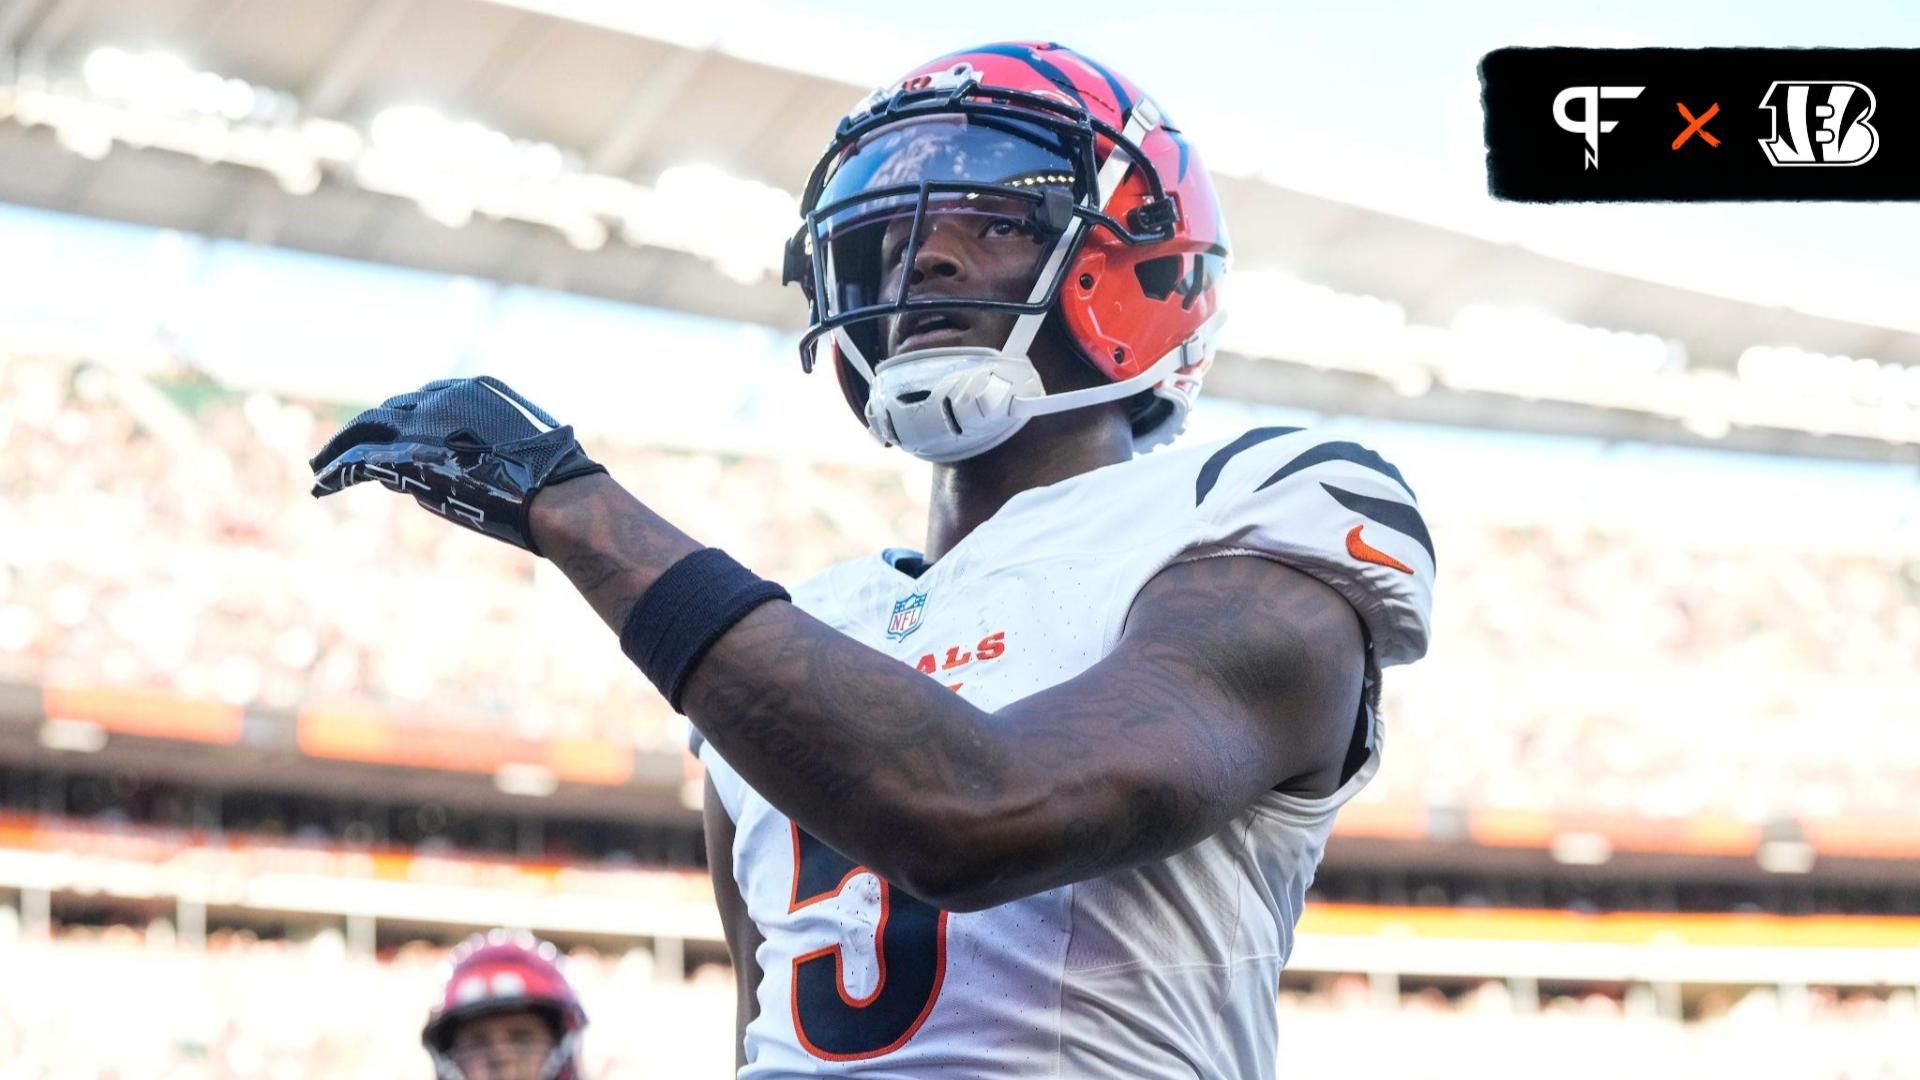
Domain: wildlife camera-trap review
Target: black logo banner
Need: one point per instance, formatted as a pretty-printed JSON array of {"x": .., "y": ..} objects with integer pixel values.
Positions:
[{"x": 1586, "y": 125}]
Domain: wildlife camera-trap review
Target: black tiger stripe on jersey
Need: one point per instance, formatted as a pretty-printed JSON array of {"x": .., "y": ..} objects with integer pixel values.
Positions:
[
  {"x": 1339, "y": 451},
  {"x": 1397, "y": 516},
  {"x": 1323, "y": 452},
  {"x": 1210, "y": 472}
]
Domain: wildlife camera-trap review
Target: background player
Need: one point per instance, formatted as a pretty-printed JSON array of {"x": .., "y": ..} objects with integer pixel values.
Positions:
[
  {"x": 506, "y": 1012},
  {"x": 1089, "y": 860}
]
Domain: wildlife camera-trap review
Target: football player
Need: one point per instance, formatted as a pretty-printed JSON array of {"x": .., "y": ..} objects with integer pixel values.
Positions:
[
  {"x": 1044, "y": 798},
  {"x": 506, "y": 1012}
]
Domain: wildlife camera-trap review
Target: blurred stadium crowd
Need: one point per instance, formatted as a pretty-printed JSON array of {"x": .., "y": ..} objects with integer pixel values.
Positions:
[
  {"x": 167, "y": 541},
  {"x": 274, "y": 1009},
  {"x": 1484, "y": 1030},
  {"x": 268, "y": 1008},
  {"x": 158, "y": 534}
]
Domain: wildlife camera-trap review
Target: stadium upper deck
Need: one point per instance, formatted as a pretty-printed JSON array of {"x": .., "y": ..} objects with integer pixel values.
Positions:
[{"x": 636, "y": 158}]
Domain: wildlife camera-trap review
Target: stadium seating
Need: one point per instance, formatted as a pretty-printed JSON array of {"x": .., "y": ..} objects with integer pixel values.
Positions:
[
  {"x": 251, "y": 1009},
  {"x": 1693, "y": 680},
  {"x": 285, "y": 1010}
]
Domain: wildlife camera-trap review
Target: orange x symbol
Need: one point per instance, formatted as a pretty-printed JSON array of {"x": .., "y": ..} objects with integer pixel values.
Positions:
[{"x": 1697, "y": 125}]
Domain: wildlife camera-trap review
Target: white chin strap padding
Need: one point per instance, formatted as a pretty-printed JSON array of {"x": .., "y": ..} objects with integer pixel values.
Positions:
[{"x": 946, "y": 405}]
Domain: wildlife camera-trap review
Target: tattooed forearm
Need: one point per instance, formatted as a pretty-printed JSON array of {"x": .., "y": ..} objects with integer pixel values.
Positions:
[
  {"x": 591, "y": 572},
  {"x": 1234, "y": 675},
  {"x": 849, "y": 723},
  {"x": 1219, "y": 690},
  {"x": 607, "y": 543}
]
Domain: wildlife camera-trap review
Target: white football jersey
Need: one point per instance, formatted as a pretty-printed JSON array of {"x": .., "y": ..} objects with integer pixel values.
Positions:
[{"x": 1169, "y": 969}]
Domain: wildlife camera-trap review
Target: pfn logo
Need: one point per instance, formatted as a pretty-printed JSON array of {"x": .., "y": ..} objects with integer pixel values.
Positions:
[
  {"x": 1589, "y": 124},
  {"x": 1826, "y": 124}
]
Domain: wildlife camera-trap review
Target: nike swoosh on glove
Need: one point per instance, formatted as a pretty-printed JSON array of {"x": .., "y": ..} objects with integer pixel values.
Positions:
[{"x": 471, "y": 450}]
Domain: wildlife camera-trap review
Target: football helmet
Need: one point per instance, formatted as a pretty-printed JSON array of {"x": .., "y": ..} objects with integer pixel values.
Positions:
[
  {"x": 500, "y": 971},
  {"x": 1098, "y": 213}
]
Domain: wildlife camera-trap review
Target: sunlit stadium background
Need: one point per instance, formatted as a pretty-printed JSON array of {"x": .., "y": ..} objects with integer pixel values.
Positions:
[{"x": 1650, "y": 808}]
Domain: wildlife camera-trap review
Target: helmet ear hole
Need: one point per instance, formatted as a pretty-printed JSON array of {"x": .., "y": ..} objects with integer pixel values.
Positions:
[{"x": 1158, "y": 276}]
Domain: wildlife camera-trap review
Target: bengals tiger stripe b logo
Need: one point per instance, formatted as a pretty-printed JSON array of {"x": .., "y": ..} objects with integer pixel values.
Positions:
[{"x": 1820, "y": 123}]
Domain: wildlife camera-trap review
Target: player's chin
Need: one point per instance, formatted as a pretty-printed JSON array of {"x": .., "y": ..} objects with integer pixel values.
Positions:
[
  {"x": 946, "y": 338},
  {"x": 986, "y": 332}
]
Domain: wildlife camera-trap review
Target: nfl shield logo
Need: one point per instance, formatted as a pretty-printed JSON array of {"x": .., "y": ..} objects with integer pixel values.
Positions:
[{"x": 906, "y": 616}]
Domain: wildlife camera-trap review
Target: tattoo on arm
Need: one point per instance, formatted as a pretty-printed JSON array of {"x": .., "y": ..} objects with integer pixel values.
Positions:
[
  {"x": 607, "y": 543},
  {"x": 842, "y": 719},
  {"x": 1220, "y": 689},
  {"x": 1234, "y": 674}
]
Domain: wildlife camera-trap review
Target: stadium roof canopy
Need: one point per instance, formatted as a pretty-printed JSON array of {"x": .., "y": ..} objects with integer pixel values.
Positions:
[{"x": 638, "y": 102}]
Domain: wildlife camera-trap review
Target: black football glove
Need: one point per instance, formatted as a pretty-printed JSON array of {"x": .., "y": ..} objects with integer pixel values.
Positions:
[{"x": 470, "y": 450}]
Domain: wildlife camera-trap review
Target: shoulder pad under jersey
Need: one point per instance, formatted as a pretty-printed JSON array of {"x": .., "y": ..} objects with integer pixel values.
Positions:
[{"x": 1332, "y": 509}]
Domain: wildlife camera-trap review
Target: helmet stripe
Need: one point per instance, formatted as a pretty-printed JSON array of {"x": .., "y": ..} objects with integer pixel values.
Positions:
[
  {"x": 1182, "y": 144},
  {"x": 1027, "y": 56},
  {"x": 1120, "y": 95}
]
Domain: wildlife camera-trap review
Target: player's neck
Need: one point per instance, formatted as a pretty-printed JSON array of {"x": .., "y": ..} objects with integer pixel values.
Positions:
[{"x": 1047, "y": 450}]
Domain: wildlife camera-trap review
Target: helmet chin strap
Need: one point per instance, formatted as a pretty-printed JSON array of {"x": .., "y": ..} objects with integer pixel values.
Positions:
[{"x": 949, "y": 404}]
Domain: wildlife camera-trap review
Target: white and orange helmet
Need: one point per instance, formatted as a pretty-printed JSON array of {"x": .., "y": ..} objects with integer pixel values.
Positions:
[{"x": 1129, "y": 246}]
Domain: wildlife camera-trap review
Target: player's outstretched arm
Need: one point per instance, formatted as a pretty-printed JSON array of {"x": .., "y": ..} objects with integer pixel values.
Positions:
[{"x": 1235, "y": 675}]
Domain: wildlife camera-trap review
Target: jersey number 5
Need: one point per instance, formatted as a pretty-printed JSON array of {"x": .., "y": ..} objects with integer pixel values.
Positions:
[{"x": 910, "y": 949}]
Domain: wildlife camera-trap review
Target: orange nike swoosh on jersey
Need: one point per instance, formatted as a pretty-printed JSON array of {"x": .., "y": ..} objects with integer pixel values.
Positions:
[{"x": 1366, "y": 552}]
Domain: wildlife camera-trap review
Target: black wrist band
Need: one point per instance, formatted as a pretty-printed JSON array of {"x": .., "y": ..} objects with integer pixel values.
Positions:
[{"x": 685, "y": 611}]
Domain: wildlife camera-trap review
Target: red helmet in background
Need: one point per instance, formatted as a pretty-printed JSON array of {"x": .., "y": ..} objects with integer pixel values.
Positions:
[
  {"x": 1129, "y": 245},
  {"x": 499, "y": 972}
]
